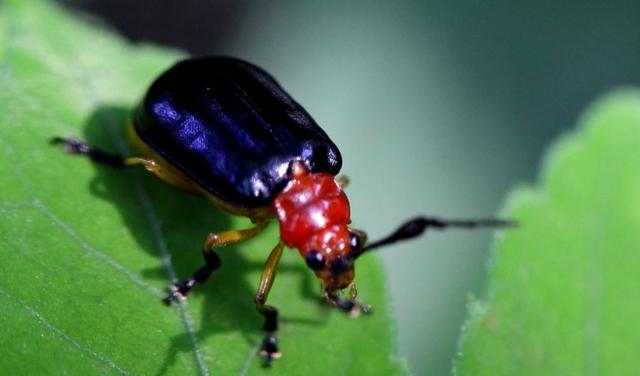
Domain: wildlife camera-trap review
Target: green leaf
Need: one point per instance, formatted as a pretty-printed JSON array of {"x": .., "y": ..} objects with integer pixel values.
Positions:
[
  {"x": 88, "y": 251},
  {"x": 562, "y": 297}
]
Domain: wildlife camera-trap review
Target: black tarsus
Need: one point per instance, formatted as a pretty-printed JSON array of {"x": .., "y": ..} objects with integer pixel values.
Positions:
[
  {"x": 347, "y": 305},
  {"x": 200, "y": 276},
  {"x": 73, "y": 146},
  {"x": 417, "y": 226},
  {"x": 269, "y": 349}
]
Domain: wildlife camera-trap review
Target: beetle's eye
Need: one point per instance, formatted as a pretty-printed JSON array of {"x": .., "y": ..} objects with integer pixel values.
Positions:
[
  {"x": 354, "y": 240},
  {"x": 357, "y": 239},
  {"x": 315, "y": 260}
]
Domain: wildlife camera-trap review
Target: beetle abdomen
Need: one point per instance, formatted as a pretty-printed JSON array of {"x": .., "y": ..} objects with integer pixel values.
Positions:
[{"x": 232, "y": 129}]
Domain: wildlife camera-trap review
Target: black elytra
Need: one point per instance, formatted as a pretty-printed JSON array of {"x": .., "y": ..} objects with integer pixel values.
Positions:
[
  {"x": 234, "y": 133},
  {"x": 232, "y": 129}
]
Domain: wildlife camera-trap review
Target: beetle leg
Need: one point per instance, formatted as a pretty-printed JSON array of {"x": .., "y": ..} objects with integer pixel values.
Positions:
[
  {"x": 73, "y": 146},
  {"x": 182, "y": 290},
  {"x": 163, "y": 171},
  {"x": 351, "y": 306},
  {"x": 270, "y": 344},
  {"x": 221, "y": 239},
  {"x": 211, "y": 258},
  {"x": 343, "y": 181}
]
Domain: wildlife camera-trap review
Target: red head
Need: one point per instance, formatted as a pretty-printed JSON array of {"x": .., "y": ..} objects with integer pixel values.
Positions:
[{"x": 314, "y": 215}]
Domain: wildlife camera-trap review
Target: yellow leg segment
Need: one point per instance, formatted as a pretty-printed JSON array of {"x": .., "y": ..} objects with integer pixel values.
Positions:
[
  {"x": 165, "y": 172},
  {"x": 220, "y": 239},
  {"x": 270, "y": 343}
]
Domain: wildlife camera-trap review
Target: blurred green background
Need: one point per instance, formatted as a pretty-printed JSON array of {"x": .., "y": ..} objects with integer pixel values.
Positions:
[{"x": 439, "y": 107}]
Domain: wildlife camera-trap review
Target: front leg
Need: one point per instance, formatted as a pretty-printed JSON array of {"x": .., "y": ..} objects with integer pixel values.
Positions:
[
  {"x": 269, "y": 347},
  {"x": 212, "y": 260},
  {"x": 351, "y": 306}
]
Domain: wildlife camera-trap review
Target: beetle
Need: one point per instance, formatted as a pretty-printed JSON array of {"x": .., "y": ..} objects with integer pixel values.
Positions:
[{"x": 224, "y": 128}]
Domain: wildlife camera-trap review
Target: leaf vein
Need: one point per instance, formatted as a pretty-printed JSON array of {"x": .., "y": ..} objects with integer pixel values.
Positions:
[
  {"x": 165, "y": 257},
  {"x": 37, "y": 203},
  {"x": 154, "y": 222},
  {"x": 253, "y": 352},
  {"x": 61, "y": 334},
  {"x": 40, "y": 206}
]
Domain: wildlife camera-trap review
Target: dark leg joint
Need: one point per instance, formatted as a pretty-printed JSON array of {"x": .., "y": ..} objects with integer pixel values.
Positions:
[
  {"x": 269, "y": 349},
  {"x": 212, "y": 259},
  {"x": 270, "y": 319},
  {"x": 181, "y": 290}
]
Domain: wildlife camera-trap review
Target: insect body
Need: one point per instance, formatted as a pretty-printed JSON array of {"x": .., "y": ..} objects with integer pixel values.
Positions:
[{"x": 225, "y": 129}]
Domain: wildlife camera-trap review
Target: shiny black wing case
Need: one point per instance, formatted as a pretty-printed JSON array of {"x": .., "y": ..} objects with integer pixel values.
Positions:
[{"x": 232, "y": 129}]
